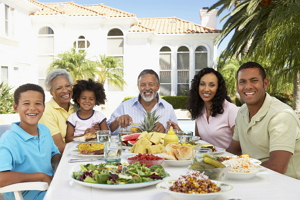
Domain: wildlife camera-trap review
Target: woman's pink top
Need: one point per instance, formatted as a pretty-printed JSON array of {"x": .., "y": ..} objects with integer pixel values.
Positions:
[{"x": 217, "y": 130}]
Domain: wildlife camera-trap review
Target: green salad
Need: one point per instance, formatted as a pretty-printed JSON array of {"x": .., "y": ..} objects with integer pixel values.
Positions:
[{"x": 106, "y": 173}]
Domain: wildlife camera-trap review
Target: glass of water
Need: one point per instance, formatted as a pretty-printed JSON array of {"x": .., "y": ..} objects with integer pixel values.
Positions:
[
  {"x": 103, "y": 136},
  {"x": 112, "y": 152},
  {"x": 185, "y": 136}
]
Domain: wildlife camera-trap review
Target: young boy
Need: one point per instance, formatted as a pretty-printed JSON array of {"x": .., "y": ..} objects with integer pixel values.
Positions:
[{"x": 27, "y": 150}]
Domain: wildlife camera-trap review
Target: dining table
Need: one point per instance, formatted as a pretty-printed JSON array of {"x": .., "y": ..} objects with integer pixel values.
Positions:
[{"x": 267, "y": 184}]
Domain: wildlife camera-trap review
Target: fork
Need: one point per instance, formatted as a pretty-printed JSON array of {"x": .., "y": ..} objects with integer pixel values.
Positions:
[{"x": 84, "y": 160}]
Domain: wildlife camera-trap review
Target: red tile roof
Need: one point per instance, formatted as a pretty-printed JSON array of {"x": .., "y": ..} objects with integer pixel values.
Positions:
[{"x": 170, "y": 25}]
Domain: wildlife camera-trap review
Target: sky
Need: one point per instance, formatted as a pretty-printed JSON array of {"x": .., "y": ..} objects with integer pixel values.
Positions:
[{"x": 183, "y": 9}]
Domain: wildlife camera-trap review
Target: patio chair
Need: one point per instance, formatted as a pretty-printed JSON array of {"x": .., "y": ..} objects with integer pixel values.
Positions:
[{"x": 18, "y": 187}]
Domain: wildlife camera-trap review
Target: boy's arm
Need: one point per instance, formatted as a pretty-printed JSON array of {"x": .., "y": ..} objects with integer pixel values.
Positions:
[
  {"x": 11, "y": 177},
  {"x": 55, "y": 161}
]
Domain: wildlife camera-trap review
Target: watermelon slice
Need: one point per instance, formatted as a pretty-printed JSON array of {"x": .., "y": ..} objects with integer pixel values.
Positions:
[
  {"x": 132, "y": 142},
  {"x": 130, "y": 137}
]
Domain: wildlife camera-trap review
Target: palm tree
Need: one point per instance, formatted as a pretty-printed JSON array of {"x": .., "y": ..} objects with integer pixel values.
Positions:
[
  {"x": 75, "y": 62},
  {"x": 265, "y": 29},
  {"x": 111, "y": 70}
]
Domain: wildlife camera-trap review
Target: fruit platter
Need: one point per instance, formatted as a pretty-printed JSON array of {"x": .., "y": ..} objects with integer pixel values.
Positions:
[{"x": 118, "y": 176}]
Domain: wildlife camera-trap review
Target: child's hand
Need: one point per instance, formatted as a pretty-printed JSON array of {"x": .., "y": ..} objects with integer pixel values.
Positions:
[
  {"x": 89, "y": 130},
  {"x": 96, "y": 126}
]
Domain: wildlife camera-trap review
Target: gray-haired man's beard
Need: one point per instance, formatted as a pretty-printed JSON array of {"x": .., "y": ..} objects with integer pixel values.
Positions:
[{"x": 148, "y": 99}]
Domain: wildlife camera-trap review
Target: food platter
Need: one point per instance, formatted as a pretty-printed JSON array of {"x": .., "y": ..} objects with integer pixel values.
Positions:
[
  {"x": 178, "y": 163},
  {"x": 165, "y": 185},
  {"x": 75, "y": 152},
  {"x": 117, "y": 187}
]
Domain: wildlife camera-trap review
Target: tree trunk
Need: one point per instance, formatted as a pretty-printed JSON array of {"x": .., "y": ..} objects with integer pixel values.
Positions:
[{"x": 296, "y": 94}]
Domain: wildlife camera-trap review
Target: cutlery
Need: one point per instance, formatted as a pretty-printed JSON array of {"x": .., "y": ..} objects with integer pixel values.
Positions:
[{"x": 84, "y": 160}]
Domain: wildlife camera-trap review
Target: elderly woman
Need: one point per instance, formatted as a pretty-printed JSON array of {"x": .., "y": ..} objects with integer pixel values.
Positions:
[{"x": 59, "y": 83}]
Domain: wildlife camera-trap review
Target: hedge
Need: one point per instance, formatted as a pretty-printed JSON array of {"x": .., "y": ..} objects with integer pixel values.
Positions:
[{"x": 178, "y": 102}]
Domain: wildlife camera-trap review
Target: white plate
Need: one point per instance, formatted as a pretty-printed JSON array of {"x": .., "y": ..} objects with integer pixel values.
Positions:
[
  {"x": 165, "y": 185},
  {"x": 76, "y": 153},
  {"x": 116, "y": 187},
  {"x": 255, "y": 161},
  {"x": 178, "y": 163},
  {"x": 126, "y": 147},
  {"x": 219, "y": 151},
  {"x": 79, "y": 139}
]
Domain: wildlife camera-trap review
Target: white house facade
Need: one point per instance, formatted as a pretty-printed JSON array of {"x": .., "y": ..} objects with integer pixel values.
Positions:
[{"x": 32, "y": 34}]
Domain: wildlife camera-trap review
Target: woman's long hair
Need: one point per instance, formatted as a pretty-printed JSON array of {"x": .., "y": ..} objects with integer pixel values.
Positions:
[{"x": 195, "y": 104}]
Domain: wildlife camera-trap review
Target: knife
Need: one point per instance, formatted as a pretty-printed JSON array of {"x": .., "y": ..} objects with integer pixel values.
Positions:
[{"x": 83, "y": 160}]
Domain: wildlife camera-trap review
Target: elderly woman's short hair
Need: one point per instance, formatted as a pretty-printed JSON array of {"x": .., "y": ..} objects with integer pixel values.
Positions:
[{"x": 55, "y": 74}]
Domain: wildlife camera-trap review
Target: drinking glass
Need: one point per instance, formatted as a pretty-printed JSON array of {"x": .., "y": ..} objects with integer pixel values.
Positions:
[
  {"x": 199, "y": 152},
  {"x": 112, "y": 152},
  {"x": 185, "y": 136},
  {"x": 103, "y": 136}
]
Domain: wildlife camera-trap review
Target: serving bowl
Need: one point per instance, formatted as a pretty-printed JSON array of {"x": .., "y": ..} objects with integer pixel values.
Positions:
[
  {"x": 165, "y": 185},
  {"x": 240, "y": 176},
  {"x": 217, "y": 174},
  {"x": 147, "y": 162}
]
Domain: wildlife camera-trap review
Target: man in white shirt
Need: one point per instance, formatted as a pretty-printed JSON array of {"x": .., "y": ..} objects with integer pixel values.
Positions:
[{"x": 135, "y": 109}]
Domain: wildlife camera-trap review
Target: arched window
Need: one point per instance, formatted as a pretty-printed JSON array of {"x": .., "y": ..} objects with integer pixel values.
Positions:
[
  {"x": 165, "y": 71},
  {"x": 183, "y": 68},
  {"x": 81, "y": 43},
  {"x": 115, "y": 42},
  {"x": 200, "y": 58},
  {"x": 115, "y": 47},
  {"x": 45, "y": 52}
]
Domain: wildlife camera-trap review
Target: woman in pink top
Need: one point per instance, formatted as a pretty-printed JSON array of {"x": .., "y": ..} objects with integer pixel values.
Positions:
[{"x": 211, "y": 109}]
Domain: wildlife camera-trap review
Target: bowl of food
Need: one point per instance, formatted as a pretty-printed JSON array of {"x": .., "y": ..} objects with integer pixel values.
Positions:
[
  {"x": 241, "y": 168},
  {"x": 209, "y": 166},
  {"x": 147, "y": 159},
  {"x": 194, "y": 186}
]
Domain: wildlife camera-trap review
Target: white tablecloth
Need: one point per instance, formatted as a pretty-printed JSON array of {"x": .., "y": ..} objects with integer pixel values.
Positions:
[{"x": 265, "y": 185}]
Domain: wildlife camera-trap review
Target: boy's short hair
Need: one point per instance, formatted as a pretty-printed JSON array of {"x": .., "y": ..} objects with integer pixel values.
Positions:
[{"x": 26, "y": 87}]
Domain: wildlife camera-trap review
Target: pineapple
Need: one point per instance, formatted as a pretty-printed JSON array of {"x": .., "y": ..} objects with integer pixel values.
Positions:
[{"x": 149, "y": 122}]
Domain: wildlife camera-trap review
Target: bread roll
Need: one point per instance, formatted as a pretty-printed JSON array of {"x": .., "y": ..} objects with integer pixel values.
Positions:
[
  {"x": 184, "y": 153},
  {"x": 172, "y": 147},
  {"x": 168, "y": 156}
]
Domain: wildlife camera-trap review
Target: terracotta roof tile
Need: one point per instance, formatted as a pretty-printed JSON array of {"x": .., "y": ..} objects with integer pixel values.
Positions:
[
  {"x": 110, "y": 12},
  {"x": 73, "y": 9},
  {"x": 170, "y": 25}
]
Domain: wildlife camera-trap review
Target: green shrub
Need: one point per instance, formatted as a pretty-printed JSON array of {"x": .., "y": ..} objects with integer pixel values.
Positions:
[
  {"x": 284, "y": 97},
  {"x": 178, "y": 102},
  {"x": 6, "y": 99}
]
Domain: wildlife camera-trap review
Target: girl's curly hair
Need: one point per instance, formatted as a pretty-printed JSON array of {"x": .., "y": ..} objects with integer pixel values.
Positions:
[
  {"x": 90, "y": 85},
  {"x": 195, "y": 104}
]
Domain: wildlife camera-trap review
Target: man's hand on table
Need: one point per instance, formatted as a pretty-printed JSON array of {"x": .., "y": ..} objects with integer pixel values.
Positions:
[{"x": 159, "y": 128}]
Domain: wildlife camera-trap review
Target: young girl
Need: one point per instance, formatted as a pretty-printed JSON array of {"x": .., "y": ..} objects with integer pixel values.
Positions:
[{"x": 86, "y": 94}]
